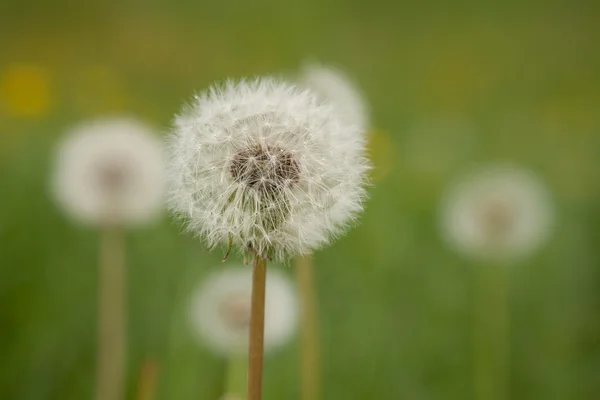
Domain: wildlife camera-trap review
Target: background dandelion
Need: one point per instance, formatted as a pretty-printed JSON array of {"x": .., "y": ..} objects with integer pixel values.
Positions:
[
  {"x": 333, "y": 85},
  {"x": 109, "y": 173},
  {"x": 220, "y": 310},
  {"x": 498, "y": 214},
  {"x": 495, "y": 216}
]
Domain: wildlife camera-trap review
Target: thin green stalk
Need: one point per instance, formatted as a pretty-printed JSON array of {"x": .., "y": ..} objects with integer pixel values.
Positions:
[
  {"x": 237, "y": 375},
  {"x": 146, "y": 384},
  {"x": 492, "y": 333},
  {"x": 111, "y": 315},
  {"x": 257, "y": 328},
  {"x": 309, "y": 342}
]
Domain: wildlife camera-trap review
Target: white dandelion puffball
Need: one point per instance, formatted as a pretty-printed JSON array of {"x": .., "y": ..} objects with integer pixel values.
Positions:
[
  {"x": 333, "y": 85},
  {"x": 262, "y": 164},
  {"x": 220, "y": 310},
  {"x": 110, "y": 171},
  {"x": 501, "y": 213}
]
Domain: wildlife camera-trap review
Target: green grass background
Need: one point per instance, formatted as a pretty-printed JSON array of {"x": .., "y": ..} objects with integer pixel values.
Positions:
[{"x": 450, "y": 86}]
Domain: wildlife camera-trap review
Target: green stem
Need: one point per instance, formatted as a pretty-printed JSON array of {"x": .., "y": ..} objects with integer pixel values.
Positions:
[
  {"x": 492, "y": 333},
  {"x": 237, "y": 375},
  {"x": 111, "y": 315},
  {"x": 309, "y": 342},
  {"x": 146, "y": 384}
]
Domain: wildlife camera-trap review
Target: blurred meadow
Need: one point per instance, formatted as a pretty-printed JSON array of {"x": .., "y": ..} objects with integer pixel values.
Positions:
[{"x": 450, "y": 87}]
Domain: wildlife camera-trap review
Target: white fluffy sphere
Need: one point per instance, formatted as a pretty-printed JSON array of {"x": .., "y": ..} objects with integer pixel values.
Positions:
[
  {"x": 110, "y": 171},
  {"x": 500, "y": 213},
  {"x": 335, "y": 86},
  {"x": 266, "y": 165},
  {"x": 220, "y": 310}
]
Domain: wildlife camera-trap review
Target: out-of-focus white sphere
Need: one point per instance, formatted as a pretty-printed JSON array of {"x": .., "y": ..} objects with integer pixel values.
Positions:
[
  {"x": 333, "y": 85},
  {"x": 110, "y": 171},
  {"x": 499, "y": 213},
  {"x": 220, "y": 310}
]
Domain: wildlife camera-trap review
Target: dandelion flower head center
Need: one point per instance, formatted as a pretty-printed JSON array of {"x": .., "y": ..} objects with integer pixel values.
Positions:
[
  {"x": 498, "y": 218},
  {"x": 265, "y": 168},
  {"x": 113, "y": 176},
  {"x": 235, "y": 311}
]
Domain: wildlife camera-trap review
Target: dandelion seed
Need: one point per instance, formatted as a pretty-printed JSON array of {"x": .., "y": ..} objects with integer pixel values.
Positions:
[
  {"x": 220, "y": 310},
  {"x": 499, "y": 213},
  {"x": 110, "y": 172}
]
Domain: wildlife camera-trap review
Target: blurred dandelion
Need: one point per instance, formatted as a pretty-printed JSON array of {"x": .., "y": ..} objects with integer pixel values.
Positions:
[
  {"x": 220, "y": 316},
  {"x": 220, "y": 310},
  {"x": 497, "y": 214},
  {"x": 333, "y": 85},
  {"x": 270, "y": 168},
  {"x": 109, "y": 174}
]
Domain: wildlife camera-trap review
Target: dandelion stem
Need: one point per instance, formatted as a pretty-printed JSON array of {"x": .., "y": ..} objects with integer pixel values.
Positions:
[
  {"x": 257, "y": 327},
  {"x": 146, "y": 384},
  {"x": 492, "y": 334},
  {"x": 111, "y": 315},
  {"x": 309, "y": 347},
  {"x": 237, "y": 374}
]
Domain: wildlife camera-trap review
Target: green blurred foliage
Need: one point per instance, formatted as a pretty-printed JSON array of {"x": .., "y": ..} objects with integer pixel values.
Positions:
[{"x": 449, "y": 86}]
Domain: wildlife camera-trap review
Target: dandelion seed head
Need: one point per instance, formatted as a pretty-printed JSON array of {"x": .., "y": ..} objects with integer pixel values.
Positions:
[
  {"x": 110, "y": 171},
  {"x": 266, "y": 164},
  {"x": 501, "y": 213},
  {"x": 220, "y": 310}
]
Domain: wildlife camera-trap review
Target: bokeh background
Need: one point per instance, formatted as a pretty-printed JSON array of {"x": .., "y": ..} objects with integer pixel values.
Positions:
[{"x": 449, "y": 85}]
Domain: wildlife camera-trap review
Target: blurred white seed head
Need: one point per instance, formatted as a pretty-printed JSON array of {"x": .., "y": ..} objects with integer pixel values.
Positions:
[
  {"x": 500, "y": 213},
  {"x": 220, "y": 310},
  {"x": 333, "y": 85},
  {"x": 110, "y": 171},
  {"x": 262, "y": 163}
]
